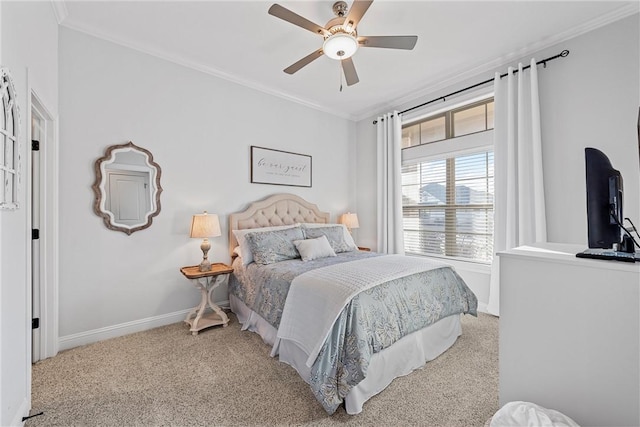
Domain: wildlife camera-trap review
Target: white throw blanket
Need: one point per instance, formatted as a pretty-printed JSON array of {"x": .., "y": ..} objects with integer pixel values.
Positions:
[
  {"x": 316, "y": 298},
  {"x": 521, "y": 413}
]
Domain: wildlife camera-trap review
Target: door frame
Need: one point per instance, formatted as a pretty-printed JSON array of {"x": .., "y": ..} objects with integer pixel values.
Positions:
[{"x": 49, "y": 192}]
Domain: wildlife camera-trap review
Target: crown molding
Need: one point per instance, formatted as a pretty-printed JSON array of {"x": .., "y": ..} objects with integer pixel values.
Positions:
[
  {"x": 170, "y": 57},
  {"x": 446, "y": 80},
  {"x": 60, "y": 10}
]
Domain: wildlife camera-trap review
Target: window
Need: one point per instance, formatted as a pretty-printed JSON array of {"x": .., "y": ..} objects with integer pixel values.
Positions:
[
  {"x": 447, "y": 197},
  {"x": 431, "y": 130},
  {"x": 9, "y": 152}
]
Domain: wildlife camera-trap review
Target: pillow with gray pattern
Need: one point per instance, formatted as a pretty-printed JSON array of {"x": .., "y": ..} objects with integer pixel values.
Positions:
[
  {"x": 269, "y": 247},
  {"x": 335, "y": 235}
]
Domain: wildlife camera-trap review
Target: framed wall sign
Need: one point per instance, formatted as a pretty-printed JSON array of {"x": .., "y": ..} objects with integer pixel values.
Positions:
[{"x": 280, "y": 167}]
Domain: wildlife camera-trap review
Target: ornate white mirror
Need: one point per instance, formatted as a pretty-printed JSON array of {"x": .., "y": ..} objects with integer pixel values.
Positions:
[
  {"x": 9, "y": 143},
  {"x": 127, "y": 188}
]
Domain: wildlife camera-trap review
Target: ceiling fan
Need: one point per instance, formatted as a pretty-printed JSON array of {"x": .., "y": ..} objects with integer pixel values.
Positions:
[{"x": 340, "y": 35}]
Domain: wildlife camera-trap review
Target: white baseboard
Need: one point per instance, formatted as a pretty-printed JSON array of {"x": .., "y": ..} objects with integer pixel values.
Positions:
[
  {"x": 70, "y": 341},
  {"x": 482, "y": 307}
]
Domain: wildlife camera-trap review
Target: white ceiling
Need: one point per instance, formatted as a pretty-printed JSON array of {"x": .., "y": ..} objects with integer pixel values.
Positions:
[{"x": 240, "y": 41}]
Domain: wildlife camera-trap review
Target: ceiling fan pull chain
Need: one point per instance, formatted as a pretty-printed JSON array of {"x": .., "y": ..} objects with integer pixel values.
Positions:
[{"x": 340, "y": 69}]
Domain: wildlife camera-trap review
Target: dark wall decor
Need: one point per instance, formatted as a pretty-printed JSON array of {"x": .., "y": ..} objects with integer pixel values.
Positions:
[{"x": 278, "y": 167}]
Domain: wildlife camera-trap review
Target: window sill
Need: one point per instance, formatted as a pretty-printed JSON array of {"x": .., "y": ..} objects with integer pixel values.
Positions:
[{"x": 458, "y": 264}]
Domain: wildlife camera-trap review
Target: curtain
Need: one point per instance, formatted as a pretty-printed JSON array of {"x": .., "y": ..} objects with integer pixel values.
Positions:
[
  {"x": 519, "y": 206},
  {"x": 389, "y": 185}
]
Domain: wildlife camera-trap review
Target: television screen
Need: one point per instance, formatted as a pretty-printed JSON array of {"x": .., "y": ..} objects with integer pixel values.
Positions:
[{"x": 604, "y": 201}]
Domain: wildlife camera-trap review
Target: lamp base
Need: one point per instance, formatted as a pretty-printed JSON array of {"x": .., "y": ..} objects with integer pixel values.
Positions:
[{"x": 205, "y": 265}]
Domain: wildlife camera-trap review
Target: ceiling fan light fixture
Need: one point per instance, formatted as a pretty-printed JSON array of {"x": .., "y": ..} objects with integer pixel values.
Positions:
[
  {"x": 340, "y": 46},
  {"x": 340, "y": 34}
]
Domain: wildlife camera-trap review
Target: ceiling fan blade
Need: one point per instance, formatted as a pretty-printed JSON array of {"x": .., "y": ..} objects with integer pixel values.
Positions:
[
  {"x": 391, "y": 42},
  {"x": 350, "y": 74},
  {"x": 356, "y": 12},
  {"x": 295, "y": 19},
  {"x": 304, "y": 61}
]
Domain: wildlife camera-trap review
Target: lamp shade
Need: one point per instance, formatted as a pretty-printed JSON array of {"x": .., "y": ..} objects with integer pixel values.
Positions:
[
  {"x": 205, "y": 225},
  {"x": 350, "y": 220}
]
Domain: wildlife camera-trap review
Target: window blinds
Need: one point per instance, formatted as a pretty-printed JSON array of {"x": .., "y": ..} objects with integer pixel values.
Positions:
[{"x": 448, "y": 206}]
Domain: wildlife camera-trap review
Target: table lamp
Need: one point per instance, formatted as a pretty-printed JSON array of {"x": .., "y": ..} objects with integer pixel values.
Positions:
[
  {"x": 350, "y": 220},
  {"x": 204, "y": 226}
]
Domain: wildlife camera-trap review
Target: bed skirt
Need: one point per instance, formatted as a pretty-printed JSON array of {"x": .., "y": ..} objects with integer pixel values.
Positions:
[{"x": 403, "y": 357}]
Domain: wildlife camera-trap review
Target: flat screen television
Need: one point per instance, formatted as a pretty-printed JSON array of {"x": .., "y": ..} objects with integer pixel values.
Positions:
[{"x": 604, "y": 201}]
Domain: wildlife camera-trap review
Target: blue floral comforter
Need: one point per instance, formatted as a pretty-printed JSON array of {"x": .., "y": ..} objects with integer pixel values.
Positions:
[{"x": 371, "y": 322}]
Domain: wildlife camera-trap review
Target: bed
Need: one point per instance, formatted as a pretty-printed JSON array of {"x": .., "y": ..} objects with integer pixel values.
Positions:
[{"x": 348, "y": 321}]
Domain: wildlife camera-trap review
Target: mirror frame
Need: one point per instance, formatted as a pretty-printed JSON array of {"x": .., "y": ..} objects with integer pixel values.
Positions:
[{"x": 99, "y": 187}]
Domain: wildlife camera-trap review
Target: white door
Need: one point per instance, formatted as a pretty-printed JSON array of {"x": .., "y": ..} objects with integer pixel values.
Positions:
[
  {"x": 37, "y": 134},
  {"x": 44, "y": 217},
  {"x": 128, "y": 197}
]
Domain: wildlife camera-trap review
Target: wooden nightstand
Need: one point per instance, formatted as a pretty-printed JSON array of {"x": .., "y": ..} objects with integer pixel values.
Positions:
[{"x": 206, "y": 281}]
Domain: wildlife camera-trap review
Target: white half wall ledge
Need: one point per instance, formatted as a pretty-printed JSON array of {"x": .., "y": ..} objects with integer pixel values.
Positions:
[
  {"x": 22, "y": 411},
  {"x": 89, "y": 337}
]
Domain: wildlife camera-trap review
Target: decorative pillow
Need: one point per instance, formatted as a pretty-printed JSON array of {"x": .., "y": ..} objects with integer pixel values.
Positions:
[
  {"x": 314, "y": 248},
  {"x": 243, "y": 249},
  {"x": 335, "y": 235},
  {"x": 274, "y": 246},
  {"x": 348, "y": 238}
]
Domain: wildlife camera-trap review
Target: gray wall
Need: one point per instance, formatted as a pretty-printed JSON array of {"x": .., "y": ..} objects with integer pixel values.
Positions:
[
  {"x": 30, "y": 51},
  {"x": 588, "y": 99},
  {"x": 199, "y": 129}
]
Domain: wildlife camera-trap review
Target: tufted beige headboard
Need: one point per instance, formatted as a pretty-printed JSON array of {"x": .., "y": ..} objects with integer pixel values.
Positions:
[{"x": 279, "y": 209}]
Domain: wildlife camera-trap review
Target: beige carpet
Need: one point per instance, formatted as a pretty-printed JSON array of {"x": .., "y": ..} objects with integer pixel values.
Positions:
[{"x": 223, "y": 376}]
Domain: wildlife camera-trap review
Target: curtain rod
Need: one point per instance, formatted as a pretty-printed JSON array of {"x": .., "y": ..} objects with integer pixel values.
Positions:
[{"x": 444, "y": 98}]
